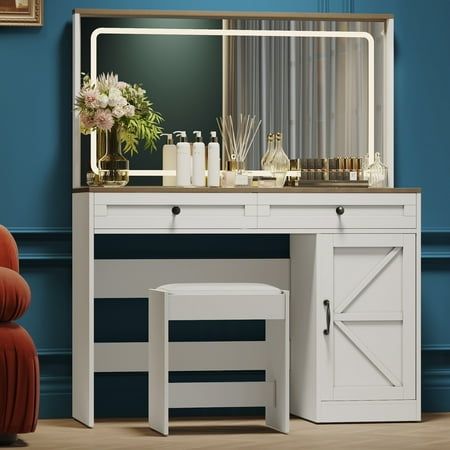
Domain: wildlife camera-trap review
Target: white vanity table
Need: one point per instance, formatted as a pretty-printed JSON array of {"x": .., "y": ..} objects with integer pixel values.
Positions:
[
  {"x": 354, "y": 267},
  {"x": 353, "y": 274}
]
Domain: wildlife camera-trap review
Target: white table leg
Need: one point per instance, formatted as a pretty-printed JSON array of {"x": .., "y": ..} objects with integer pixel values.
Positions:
[
  {"x": 277, "y": 337},
  {"x": 158, "y": 388},
  {"x": 83, "y": 309}
]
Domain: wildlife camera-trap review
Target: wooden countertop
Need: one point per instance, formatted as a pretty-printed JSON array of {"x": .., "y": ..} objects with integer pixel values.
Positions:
[{"x": 248, "y": 190}]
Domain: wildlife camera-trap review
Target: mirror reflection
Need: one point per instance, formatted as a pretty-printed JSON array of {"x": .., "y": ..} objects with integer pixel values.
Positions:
[{"x": 313, "y": 91}]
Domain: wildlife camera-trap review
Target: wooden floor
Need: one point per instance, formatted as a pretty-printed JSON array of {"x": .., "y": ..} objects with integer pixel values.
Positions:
[{"x": 432, "y": 433}]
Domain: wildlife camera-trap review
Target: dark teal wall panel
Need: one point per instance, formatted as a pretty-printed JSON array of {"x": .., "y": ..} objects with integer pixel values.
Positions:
[
  {"x": 422, "y": 99},
  {"x": 35, "y": 89}
]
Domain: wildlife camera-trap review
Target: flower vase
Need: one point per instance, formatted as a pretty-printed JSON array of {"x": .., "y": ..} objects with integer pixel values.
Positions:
[
  {"x": 92, "y": 179},
  {"x": 113, "y": 166}
]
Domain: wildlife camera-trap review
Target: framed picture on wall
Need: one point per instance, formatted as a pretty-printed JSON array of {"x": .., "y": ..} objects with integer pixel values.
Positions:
[{"x": 21, "y": 13}]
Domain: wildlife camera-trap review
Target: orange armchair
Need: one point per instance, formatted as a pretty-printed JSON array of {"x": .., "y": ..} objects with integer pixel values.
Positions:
[{"x": 19, "y": 365}]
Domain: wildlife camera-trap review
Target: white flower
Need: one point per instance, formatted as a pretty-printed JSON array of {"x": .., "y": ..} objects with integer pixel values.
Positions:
[
  {"x": 102, "y": 101},
  {"x": 115, "y": 98},
  {"x": 129, "y": 110},
  {"x": 118, "y": 112},
  {"x": 114, "y": 92},
  {"x": 122, "y": 85},
  {"x": 107, "y": 81}
]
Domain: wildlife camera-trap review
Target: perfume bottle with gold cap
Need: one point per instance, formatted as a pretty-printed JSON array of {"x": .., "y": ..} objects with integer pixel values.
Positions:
[
  {"x": 267, "y": 157},
  {"x": 279, "y": 165}
]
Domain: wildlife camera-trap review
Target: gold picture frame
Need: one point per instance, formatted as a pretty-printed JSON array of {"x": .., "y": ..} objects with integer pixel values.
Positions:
[{"x": 21, "y": 13}]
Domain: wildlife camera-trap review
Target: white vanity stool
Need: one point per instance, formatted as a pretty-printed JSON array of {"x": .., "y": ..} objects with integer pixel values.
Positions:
[{"x": 219, "y": 301}]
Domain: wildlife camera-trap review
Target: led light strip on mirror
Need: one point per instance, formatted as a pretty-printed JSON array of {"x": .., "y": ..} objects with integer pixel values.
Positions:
[{"x": 249, "y": 33}]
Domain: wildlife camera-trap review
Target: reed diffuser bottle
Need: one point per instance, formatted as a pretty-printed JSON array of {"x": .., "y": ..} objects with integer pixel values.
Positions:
[{"x": 279, "y": 165}]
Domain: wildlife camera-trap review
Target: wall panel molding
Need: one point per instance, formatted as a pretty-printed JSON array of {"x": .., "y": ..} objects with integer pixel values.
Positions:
[
  {"x": 323, "y": 5},
  {"x": 56, "y": 382},
  {"x": 436, "y": 390},
  {"x": 40, "y": 230},
  {"x": 348, "y": 6},
  {"x": 43, "y": 244},
  {"x": 435, "y": 245}
]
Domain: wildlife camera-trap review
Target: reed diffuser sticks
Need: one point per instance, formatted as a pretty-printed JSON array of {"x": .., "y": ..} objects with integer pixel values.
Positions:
[{"x": 237, "y": 141}]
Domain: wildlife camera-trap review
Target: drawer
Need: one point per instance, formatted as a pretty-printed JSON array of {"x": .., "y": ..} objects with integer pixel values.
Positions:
[
  {"x": 319, "y": 211},
  {"x": 197, "y": 211}
]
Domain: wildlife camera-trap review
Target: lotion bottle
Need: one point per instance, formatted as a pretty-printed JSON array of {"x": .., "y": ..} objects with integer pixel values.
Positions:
[
  {"x": 169, "y": 160},
  {"x": 198, "y": 160},
  {"x": 213, "y": 161},
  {"x": 183, "y": 160}
]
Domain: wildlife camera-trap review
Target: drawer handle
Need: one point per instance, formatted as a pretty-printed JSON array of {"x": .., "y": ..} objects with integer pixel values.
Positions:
[
  {"x": 176, "y": 210},
  {"x": 340, "y": 210},
  {"x": 326, "y": 303}
]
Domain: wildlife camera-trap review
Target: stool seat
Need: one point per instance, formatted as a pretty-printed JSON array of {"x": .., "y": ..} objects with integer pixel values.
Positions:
[
  {"x": 220, "y": 301},
  {"x": 222, "y": 288}
]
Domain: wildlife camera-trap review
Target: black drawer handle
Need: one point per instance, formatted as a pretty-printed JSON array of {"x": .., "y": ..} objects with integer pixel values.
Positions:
[
  {"x": 176, "y": 210},
  {"x": 326, "y": 303},
  {"x": 340, "y": 210}
]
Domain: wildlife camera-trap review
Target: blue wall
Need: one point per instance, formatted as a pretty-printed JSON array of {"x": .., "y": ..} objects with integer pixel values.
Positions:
[{"x": 35, "y": 145}]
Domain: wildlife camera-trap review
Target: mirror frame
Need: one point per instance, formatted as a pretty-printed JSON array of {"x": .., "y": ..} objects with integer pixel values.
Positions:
[{"x": 388, "y": 56}]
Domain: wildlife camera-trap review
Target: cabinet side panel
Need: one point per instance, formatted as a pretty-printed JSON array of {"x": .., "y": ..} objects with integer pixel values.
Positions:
[
  {"x": 419, "y": 309},
  {"x": 76, "y": 139},
  {"x": 303, "y": 326},
  {"x": 83, "y": 309}
]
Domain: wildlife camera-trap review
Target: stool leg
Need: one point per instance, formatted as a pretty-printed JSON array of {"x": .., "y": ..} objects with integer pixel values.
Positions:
[
  {"x": 277, "y": 338},
  {"x": 158, "y": 388}
]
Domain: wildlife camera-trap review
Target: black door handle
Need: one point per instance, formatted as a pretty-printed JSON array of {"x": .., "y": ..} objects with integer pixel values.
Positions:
[
  {"x": 176, "y": 210},
  {"x": 340, "y": 210},
  {"x": 326, "y": 303}
]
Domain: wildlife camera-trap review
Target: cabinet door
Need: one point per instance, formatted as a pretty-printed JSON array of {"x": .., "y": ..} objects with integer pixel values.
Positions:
[{"x": 370, "y": 284}]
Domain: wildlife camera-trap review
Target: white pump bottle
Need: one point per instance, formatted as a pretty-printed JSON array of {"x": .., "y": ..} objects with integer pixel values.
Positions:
[
  {"x": 198, "y": 160},
  {"x": 169, "y": 160},
  {"x": 183, "y": 160},
  {"x": 213, "y": 161}
]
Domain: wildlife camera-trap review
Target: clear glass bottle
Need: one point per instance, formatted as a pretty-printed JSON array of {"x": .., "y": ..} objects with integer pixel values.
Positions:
[
  {"x": 265, "y": 160},
  {"x": 365, "y": 167},
  {"x": 279, "y": 166},
  {"x": 378, "y": 174}
]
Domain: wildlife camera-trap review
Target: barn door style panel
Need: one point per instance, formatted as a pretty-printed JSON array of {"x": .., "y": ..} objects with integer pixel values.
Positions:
[{"x": 366, "y": 317}]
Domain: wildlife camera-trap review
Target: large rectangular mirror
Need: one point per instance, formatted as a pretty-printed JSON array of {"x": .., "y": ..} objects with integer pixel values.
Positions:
[{"x": 325, "y": 84}]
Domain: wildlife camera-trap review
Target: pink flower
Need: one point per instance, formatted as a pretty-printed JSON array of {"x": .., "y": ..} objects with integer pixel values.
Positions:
[
  {"x": 90, "y": 98},
  {"x": 104, "y": 119},
  {"x": 87, "y": 120}
]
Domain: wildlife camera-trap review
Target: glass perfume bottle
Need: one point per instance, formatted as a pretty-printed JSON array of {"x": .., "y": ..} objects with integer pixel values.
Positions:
[
  {"x": 378, "y": 175},
  {"x": 265, "y": 160},
  {"x": 279, "y": 165},
  {"x": 365, "y": 167}
]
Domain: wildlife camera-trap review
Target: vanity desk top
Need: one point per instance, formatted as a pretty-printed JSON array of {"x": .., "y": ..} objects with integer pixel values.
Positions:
[
  {"x": 249, "y": 190},
  {"x": 145, "y": 209}
]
